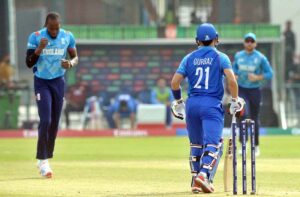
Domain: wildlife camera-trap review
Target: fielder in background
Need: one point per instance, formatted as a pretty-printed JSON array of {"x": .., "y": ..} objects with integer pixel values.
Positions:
[
  {"x": 46, "y": 54},
  {"x": 162, "y": 94},
  {"x": 251, "y": 69},
  {"x": 205, "y": 69},
  {"x": 122, "y": 108}
]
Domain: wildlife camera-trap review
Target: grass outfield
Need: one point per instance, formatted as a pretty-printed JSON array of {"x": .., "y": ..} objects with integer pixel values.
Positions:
[{"x": 136, "y": 167}]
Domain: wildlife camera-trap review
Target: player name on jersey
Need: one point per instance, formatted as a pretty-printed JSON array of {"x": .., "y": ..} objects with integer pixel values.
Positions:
[
  {"x": 53, "y": 51},
  {"x": 202, "y": 61}
]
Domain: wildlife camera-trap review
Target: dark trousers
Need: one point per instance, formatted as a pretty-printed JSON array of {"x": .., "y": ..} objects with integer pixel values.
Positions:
[
  {"x": 168, "y": 116},
  {"x": 49, "y": 98},
  {"x": 252, "y": 97}
]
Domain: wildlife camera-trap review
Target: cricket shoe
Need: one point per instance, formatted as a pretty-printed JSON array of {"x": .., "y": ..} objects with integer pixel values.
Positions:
[
  {"x": 205, "y": 185},
  {"x": 45, "y": 169},
  {"x": 257, "y": 151},
  {"x": 196, "y": 189}
]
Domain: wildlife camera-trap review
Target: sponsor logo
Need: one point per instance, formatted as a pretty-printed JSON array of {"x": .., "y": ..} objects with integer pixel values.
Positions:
[
  {"x": 121, "y": 132},
  {"x": 30, "y": 133}
]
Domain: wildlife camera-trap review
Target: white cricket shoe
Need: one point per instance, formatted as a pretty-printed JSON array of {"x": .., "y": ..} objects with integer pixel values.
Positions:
[
  {"x": 257, "y": 151},
  {"x": 44, "y": 168}
]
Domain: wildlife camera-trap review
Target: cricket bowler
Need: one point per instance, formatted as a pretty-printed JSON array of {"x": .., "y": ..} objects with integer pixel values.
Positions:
[{"x": 46, "y": 55}]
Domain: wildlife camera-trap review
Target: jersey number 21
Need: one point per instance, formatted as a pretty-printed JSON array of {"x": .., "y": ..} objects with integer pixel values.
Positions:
[{"x": 199, "y": 72}]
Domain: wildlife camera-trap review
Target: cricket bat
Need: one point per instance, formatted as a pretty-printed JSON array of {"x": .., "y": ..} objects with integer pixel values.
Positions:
[
  {"x": 227, "y": 176},
  {"x": 228, "y": 162}
]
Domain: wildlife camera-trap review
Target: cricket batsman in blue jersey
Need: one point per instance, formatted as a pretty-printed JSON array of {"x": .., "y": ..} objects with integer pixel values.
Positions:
[
  {"x": 205, "y": 69},
  {"x": 251, "y": 68},
  {"x": 46, "y": 55}
]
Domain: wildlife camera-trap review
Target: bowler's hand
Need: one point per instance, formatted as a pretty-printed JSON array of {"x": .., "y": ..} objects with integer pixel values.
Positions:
[
  {"x": 43, "y": 44},
  {"x": 178, "y": 109},
  {"x": 66, "y": 64}
]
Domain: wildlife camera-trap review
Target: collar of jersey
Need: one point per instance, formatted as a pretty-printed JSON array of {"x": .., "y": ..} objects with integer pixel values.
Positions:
[
  {"x": 206, "y": 47},
  {"x": 253, "y": 52}
]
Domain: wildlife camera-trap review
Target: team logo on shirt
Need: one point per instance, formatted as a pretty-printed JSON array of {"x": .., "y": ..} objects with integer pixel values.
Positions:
[{"x": 63, "y": 41}]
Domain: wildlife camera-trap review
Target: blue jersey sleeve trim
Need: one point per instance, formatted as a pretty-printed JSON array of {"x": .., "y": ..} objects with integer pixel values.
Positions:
[
  {"x": 32, "y": 44},
  {"x": 72, "y": 43},
  {"x": 180, "y": 72}
]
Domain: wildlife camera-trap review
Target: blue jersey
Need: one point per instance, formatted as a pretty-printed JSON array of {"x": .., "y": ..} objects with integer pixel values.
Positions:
[
  {"x": 256, "y": 63},
  {"x": 48, "y": 65},
  {"x": 204, "y": 69}
]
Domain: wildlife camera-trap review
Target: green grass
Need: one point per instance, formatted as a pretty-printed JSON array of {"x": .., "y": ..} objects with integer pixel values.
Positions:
[{"x": 136, "y": 167}]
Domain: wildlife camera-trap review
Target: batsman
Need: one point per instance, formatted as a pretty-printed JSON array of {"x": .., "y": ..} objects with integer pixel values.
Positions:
[{"x": 205, "y": 69}]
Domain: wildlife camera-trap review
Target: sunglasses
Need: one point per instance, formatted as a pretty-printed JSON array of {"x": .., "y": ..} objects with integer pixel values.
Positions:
[{"x": 249, "y": 40}]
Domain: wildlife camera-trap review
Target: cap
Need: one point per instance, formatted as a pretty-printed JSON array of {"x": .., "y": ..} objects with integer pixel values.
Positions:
[
  {"x": 206, "y": 32},
  {"x": 250, "y": 35}
]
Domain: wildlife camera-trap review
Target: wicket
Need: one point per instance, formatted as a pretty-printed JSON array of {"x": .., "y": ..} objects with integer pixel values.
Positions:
[{"x": 246, "y": 125}]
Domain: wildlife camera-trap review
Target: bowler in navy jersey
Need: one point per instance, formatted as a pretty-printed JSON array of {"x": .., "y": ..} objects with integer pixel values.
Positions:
[{"x": 47, "y": 50}]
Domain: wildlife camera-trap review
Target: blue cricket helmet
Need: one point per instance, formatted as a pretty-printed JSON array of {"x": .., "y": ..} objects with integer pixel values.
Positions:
[{"x": 206, "y": 32}]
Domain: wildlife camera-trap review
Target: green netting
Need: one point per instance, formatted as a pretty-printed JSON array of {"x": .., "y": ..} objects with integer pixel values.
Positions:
[
  {"x": 228, "y": 31},
  {"x": 181, "y": 31}
]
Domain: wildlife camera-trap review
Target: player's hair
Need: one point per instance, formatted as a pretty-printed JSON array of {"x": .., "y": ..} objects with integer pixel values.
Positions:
[
  {"x": 51, "y": 16},
  {"x": 207, "y": 43}
]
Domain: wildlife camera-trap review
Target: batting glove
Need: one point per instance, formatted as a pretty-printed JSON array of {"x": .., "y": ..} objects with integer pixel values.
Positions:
[
  {"x": 236, "y": 106},
  {"x": 178, "y": 109}
]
